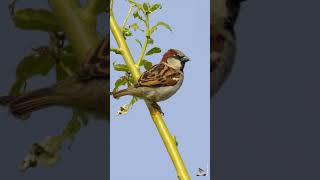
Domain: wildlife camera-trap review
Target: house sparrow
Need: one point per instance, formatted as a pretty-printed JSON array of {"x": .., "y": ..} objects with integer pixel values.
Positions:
[
  {"x": 160, "y": 82},
  {"x": 85, "y": 90},
  {"x": 223, "y": 41}
]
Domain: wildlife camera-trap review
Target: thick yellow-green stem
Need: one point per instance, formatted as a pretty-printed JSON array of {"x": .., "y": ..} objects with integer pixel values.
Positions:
[{"x": 167, "y": 138}]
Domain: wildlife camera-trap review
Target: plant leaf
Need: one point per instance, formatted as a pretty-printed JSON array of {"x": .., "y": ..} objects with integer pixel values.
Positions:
[
  {"x": 163, "y": 24},
  {"x": 155, "y": 7},
  {"x": 133, "y": 2},
  {"x": 133, "y": 101},
  {"x": 146, "y": 64},
  {"x": 139, "y": 42},
  {"x": 136, "y": 13},
  {"x": 120, "y": 67},
  {"x": 120, "y": 82},
  {"x": 146, "y": 7},
  {"x": 154, "y": 50},
  {"x": 150, "y": 40},
  {"x": 30, "y": 66},
  {"x": 135, "y": 26},
  {"x": 36, "y": 19}
]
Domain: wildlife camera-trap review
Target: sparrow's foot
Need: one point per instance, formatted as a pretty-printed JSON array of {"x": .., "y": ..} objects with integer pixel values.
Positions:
[{"x": 157, "y": 107}]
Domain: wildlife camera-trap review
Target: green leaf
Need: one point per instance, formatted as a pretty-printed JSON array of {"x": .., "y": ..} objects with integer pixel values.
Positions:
[
  {"x": 36, "y": 19},
  {"x": 72, "y": 127},
  {"x": 133, "y": 101},
  {"x": 120, "y": 67},
  {"x": 146, "y": 64},
  {"x": 155, "y": 7},
  {"x": 163, "y": 24},
  {"x": 120, "y": 82},
  {"x": 133, "y": 2},
  {"x": 136, "y": 13},
  {"x": 29, "y": 67},
  {"x": 139, "y": 42},
  {"x": 150, "y": 40},
  {"x": 146, "y": 7},
  {"x": 135, "y": 26},
  {"x": 154, "y": 50}
]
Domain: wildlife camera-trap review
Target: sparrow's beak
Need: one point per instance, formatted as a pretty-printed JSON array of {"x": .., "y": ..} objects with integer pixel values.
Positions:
[{"x": 185, "y": 59}]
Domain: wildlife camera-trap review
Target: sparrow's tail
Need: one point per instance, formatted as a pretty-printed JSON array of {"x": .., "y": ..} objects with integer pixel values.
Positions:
[
  {"x": 120, "y": 93},
  {"x": 22, "y": 105}
]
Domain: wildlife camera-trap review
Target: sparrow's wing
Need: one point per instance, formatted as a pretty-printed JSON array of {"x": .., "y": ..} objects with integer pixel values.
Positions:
[
  {"x": 97, "y": 63},
  {"x": 96, "y": 70},
  {"x": 159, "y": 75}
]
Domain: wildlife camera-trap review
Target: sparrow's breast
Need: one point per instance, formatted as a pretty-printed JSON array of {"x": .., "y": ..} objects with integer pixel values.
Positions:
[{"x": 163, "y": 93}]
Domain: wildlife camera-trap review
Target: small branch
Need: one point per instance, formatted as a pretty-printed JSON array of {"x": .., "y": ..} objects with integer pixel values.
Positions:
[
  {"x": 127, "y": 17},
  {"x": 167, "y": 138},
  {"x": 146, "y": 42}
]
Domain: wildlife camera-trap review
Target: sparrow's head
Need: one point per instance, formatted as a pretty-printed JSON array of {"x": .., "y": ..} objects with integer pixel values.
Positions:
[{"x": 175, "y": 58}]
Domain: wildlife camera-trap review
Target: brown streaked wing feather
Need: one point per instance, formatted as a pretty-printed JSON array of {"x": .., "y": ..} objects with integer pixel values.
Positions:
[{"x": 159, "y": 75}]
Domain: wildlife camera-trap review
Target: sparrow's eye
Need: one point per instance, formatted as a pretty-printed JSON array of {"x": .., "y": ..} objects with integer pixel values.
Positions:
[{"x": 178, "y": 57}]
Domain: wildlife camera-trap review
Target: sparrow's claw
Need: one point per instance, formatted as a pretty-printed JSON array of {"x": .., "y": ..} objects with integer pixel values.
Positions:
[{"x": 157, "y": 107}]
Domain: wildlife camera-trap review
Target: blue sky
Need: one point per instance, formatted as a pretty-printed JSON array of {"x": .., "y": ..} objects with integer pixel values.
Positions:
[{"x": 137, "y": 151}]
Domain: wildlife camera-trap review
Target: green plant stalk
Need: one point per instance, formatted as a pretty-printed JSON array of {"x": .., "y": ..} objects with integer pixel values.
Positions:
[
  {"x": 146, "y": 42},
  {"x": 167, "y": 138},
  {"x": 127, "y": 17},
  {"x": 78, "y": 25}
]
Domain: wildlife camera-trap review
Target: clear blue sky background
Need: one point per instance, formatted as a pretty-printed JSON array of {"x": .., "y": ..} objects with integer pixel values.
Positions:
[{"x": 137, "y": 151}]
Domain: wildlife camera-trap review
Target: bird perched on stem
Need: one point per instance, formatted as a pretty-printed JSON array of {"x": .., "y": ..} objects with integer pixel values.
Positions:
[
  {"x": 85, "y": 90},
  {"x": 160, "y": 82}
]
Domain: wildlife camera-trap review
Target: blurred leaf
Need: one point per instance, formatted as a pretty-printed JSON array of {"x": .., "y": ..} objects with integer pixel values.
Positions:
[
  {"x": 36, "y": 19},
  {"x": 163, "y": 24},
  {"x": 154, "y": 50},
  {"x": 139, "y": 42},
  {"x": 146, "y": 64},
  {"x": 146, "y": 7},
  {"x": 29, "y": 67},
  {"x": 135, "y": 26},
  {"x": 120, "y": 67},
  {"x": 155, "y": 7},
  {"x": 120, "y": 82},
  {"x": 150, "y": 40},
  {"x": 136, "y": 13},
  {"x": 133, "y": 101},
  {"x": 73, "y": 126},
  {"x": 133, "y": 2}
]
